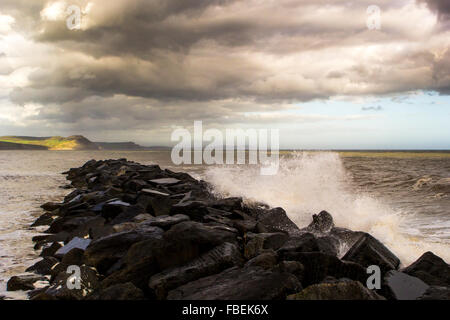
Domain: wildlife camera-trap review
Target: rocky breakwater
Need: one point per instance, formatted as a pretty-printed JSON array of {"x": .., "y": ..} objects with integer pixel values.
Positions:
[{"x": 139, "y": 232}]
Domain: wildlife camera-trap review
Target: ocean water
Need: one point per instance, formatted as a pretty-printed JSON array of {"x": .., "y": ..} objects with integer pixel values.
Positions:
[{"x": 403, "y": 199}]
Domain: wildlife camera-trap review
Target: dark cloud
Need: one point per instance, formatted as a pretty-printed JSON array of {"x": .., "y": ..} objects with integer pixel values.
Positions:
[{"x": 442, "y": 7}]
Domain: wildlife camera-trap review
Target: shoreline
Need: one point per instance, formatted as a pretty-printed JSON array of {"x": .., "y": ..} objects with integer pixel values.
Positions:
[{"x": 140, "y": 232}]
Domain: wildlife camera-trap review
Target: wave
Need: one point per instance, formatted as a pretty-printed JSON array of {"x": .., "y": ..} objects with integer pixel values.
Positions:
[{"x": 307, "y": 183}]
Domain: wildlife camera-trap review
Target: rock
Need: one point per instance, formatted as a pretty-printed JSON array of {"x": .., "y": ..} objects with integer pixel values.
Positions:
[
  {"x": 24, "y": 282},
  {"x": 228, "y": 204},
  {"x": 60, "y": 291},
  {"x": 436, "y": 293},
  {"x": 44, "y": 220},
  {"x": 51, "y": 206},
  {"x": 195, "y": 210},
  {"x": 256, "y": 242},
  {"x": 74, "y": 243},
  {"x": 112, "y": 209},
  {"x": 104, "y": 252},
  {"x": 294, "y": 267},
  {"x": 125, "y": 226},
  {"x": 266, "y": 260},
  {"x": 74, "y": 257},
  {"x": 165, "y": 181},
  {"x": 142, "y": 217},
  {"x": 340, "y": 290},
  {"x": 252, "y": 283},
  {"x": 369, "y": 251},
  {"x": 187, "y": 240},
  {"x": 319, "y": 265},
  {"x": 431, "y": 269},
  {"x": 50, "y": 250},
  {"x": 43, "y": 266},
  {"x": 156, "y": 204},
  {"x": 152, "y": 192},
  {"x": 165, "y": 222},
  {"x": 401, "y": 286},
  {"x": 308, "y": 242},
  {"x": 277, "y": 220},
  {"x": 322, "y": 222},
  {"x": 121, "y": 291},
  {"x": 214, "y": 261}
]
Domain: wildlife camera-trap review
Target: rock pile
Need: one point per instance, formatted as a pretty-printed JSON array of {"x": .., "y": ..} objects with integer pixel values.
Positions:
[{"x": 139, "y": 232}]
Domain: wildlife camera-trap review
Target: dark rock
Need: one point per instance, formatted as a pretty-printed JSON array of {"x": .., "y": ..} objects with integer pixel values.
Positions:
[
  {"x": 104, "y": 252},
  {"x": 322, "y": 222},
  {"x": 74, "y": 257},
  {"x": 43, "y": 266},
  {"x": 121, "y": 291},
  {"x": 24, "y": 282},
  {"x": 164, "y": 181},
  {"x": 256, "y": 242},
  {"x": 431, "y": 269},
  {"x": 277, "y": 220},
  {"x": 252, "y": 283},
  {"x": 308, "y": 242},
  {"x": 214, "y": 261},
  {"x": 49, "y": 250},
  {"x": 340, "y": 290},
  {"x": 165, "y": 222},
  {"x": 319, "y": 265},
  {"x": 76, "y": 242},
  {"x": 266, "y": 260},
  {"x": 112, "y": 209},
  {"x": 196, "y": 210},
  {"x": 60, "y": 291},
  {"x": 50, "y": 206},
  {"x": 294, "y": 267},
  {"x": 188, "y": 240},
  {"x": 401, "y": 286},
  {"x": 436, "y": 293},
  {"x": 369, "y": 251},
  {"x": 228, "y": 204},
  {"x": 44, "y": 220}
]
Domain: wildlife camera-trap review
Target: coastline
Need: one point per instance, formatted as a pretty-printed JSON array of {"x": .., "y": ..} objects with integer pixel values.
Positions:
[{"x": 140, "y": 232}]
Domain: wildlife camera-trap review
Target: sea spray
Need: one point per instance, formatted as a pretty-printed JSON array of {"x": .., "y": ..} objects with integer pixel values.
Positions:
[{"x": 308, "y": 182}]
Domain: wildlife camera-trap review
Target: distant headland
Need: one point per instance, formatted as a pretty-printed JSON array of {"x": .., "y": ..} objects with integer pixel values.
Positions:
[{"x": 76, "y": 142}]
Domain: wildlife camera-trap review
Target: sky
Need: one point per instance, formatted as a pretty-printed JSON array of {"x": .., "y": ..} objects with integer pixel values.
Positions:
[{"x": 319, "y": 71}]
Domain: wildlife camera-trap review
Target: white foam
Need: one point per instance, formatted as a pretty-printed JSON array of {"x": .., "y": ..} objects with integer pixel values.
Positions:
[{"x": 307, "y": 183}]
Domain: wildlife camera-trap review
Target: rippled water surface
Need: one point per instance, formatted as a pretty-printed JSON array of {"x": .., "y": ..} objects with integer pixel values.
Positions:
[{"x": 403, "y": 199}]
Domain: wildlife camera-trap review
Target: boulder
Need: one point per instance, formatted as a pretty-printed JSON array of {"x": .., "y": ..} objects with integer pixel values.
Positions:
[
  {"x": 165, "y": 181},
  {"x": 50, "y": 249},
  {"x": 76, "y": 242},
  {"x": 257, "y": 242},
  {"x": 121, "y": 291},
  {"x": 195, "y": 210},
  {"x": 43, "y": 266},
  {"x": 251, "y": 283},
  {"x": 24, "y": 282},
  {"x": 319, "y": 265},
  {"x": 45, "y": 220},
  {"x": 436, "y": 293},
  {"x": 51, "y": 206},
  {"x": 277, "y": 220},
  {"x": 266, "y": 259},
  {"x": 401, "y": 286},
  {"x": 339, "y": 290},
  {"x": 165, "y": 222},
  {"x": 322, "y": 223},
  {"x": 431, "y": 269},
  {"x": 369, "y": 251},
  {"x": 187, "y": 240},
  {"x": 104, "y": 252},
  {"x": 308, "y": 242},
  {"x": 59, "y": 289},
  {"x": 214, "y": 261}
]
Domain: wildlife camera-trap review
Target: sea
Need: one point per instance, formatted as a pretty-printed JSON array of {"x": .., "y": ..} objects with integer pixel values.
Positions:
[{"x": 401, "y": 198}]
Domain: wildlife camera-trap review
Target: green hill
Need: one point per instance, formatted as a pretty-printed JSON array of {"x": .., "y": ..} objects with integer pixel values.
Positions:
[{"x": 47, "y": 143}]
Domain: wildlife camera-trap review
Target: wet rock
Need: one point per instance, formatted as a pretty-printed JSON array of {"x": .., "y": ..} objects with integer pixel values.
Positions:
[
  {"x": 112, "y": 209},
  {"x": 73, "y": 257},
  {"x": 401, "y": 286},
  {"x": 104, "y": 252},
  {"x": 51, "y": 206},
  {"x": 195, "y": 210},
  {"x": 319, "y": 265},
  {"x": 50, "y": 250},
  {"x": 164, "y": 181},
  {"x": 340, "y": 290},
  {"x": 59, "y": 289},
  {"x": 76, "y": 242},
  {"x": 257, "y": 242},
  {"x": 214, "y": 261},
  {"x": 228, "y": 204},
  {"x": 24, "y": 282},
  {"x": 125, "y": 226},
  {"x": 308, "y": 242},
  {"x": 252, "y": 283},
  {"x": 142, "y": 217},
  {"x": 322, "y": 222},
  {"x": 431, "y": 269},
  {"x": 43, "y": 266},
  {"x": 165, "y": 222},
  {"x": 369, "y": 251},
  {"x": 121, "y": 291},
  {"x": 277, "y": 220},
  {"x": 266, "y": 260},
  {"x": 44, "y": 220},
  {"x": 187, "y": 240},
  {"x": 294, "y": 267}
]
